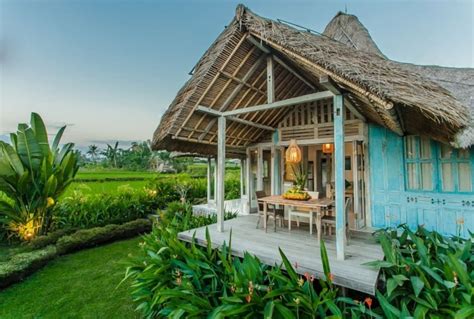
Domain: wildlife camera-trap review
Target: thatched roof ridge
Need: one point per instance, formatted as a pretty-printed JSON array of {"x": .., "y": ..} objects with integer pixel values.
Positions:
[
  {"x": 384, "y": 78},
  {"x": 346, "y": 28}
]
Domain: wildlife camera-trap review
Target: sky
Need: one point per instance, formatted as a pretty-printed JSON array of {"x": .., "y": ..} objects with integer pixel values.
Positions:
[{"x": 109, "y": 69}]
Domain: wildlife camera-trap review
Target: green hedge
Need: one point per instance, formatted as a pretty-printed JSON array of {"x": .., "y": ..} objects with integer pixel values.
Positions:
[
  {"x": 21, "y": 265},
  {"x": 24, "y": 264},
  {"x": 99, "y": 235}
]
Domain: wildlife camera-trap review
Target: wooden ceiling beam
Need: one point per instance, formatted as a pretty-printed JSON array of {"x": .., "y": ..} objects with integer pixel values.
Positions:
[
  {"x": 283, "y": 103},
  {"x": 235, "y": 92},
  {"x": 330, "y": 85},
  {"x": 268, "y": 50}
]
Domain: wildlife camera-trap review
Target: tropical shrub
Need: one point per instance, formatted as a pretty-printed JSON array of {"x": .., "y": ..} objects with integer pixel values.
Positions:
[
  {"x": 175, "y": 279},
  {"x": 33, "y": 175},
  {"x": 85, "y": 211},
  {"x": 426, "y": 275}
]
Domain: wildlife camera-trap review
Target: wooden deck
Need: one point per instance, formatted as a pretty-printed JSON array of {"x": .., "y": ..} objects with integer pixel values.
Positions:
[{"x": 300, "y": 248}]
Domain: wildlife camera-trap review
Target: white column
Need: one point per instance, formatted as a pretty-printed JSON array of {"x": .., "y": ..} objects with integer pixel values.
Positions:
[
  {"x": 220, "y": 172},
  {"x": 209, "y": 179},
  {"x": 259, "y": 169},
  {"x": 248, "y": 181},
  {"x": 339, "y": 176}
]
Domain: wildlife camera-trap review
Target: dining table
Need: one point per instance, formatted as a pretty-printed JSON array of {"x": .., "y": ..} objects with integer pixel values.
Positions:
[{"x": 314, "y": 206}]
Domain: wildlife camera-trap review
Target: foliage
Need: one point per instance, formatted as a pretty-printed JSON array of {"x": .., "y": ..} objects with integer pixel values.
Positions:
[
  {"x": 174, "y": 279},
  {"x": 426, "y": 274},
  {"x": 21, "y": 265},
  {"x": 94, "y": 236},
  {"x": 301, "y": 176},
  {"x": 84, "y": 211},
  {"x": 33, "y": 175},
  {"x": 49, "y": 239},
  {"x": 79, "y": 285}
]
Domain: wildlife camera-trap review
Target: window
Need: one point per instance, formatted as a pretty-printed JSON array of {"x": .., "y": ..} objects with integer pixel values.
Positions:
[
  {"x": 455, "y": 169},
  {"x": 419, "y": 163}
]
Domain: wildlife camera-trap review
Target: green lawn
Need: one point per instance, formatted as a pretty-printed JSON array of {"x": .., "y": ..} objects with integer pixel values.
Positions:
[{"x": 80, "y": 285}]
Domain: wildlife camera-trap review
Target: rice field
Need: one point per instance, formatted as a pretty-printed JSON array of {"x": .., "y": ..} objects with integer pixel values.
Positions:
[{"x": 108, "y": 181}]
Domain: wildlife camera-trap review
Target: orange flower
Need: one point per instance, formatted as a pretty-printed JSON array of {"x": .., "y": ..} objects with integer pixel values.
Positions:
[
  {"x": 248, "y": 298},
  {"x": 368, "y": 302},
  {"x": 331, "y": 277}
]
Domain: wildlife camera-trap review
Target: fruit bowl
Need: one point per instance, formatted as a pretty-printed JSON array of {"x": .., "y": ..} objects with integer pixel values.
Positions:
[{"x": 296, "y": 195}]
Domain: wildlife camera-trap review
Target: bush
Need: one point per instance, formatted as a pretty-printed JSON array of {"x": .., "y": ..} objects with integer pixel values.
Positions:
[
  {"x": 85, "y": 211},
  {"x": 95, "y": 236},
  {"x": 426, "y": 274},
  {"x": 22, "y": 265},
  {"x": 176, "y": 279},
  {"x": 50, "y": 239}
]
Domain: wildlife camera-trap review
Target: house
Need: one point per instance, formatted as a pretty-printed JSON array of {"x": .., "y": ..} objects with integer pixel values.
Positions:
[{"x": 396, "y": 137}]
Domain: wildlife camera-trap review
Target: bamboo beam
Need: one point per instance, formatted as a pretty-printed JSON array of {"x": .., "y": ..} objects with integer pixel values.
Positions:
[
  {"x": 236, "y": 91},
  {"x": 214, "y": 79},
  {"x": 384, "y": 103},
  {"x": 242, "y": 82},
  {"x": 216, "y": 113},
  {"x": 267, "y": 50}
]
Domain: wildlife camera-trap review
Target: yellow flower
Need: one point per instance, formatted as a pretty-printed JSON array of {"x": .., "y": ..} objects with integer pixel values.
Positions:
[{"x": 49, "y": 202}]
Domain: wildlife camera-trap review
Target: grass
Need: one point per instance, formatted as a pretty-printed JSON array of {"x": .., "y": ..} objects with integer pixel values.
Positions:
[
  {"x": 113, "y": 173},
  {"x": 81, "y": 285},
  {"x": 103, "y": 187}
]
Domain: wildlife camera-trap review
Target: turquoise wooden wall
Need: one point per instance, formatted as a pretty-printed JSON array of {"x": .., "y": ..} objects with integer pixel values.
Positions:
[{"x": 392, "y": 204}]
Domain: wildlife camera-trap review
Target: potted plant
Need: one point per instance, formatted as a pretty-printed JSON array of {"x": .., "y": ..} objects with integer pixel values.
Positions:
[{"x": 297, "y": 192}]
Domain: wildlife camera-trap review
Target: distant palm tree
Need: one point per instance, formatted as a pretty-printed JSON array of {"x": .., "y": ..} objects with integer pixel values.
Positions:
[
  {"x": 93, "y": 151},
  {"x": 112, "y": 153}
]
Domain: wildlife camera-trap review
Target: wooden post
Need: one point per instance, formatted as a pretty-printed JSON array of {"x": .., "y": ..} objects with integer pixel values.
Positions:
[
  {"x": 276, "y": 169},
  {"x": 248, "y": 182},
  {"x": 220, "y": 172},
  {"x": 356, "y": 184},
  {"x": 209, "y": 179},
  {"x": 259, "y": 169},
  {"x": 242, "y": 178},
  {"x": 270, "y": 81},
  {"x": 339, "y": 175},
  {"x": 214, "y": 172}
]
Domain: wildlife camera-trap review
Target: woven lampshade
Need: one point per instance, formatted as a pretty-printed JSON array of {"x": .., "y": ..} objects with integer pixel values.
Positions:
[
  {"x": 328, "y": 148},
  {"x": 293, "y": 153}
]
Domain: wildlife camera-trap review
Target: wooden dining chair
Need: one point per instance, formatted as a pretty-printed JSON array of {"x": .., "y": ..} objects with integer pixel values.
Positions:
[
  {"x": 328, "y": 221},
  {"x": 272, "y": 211},
  {"x": 297, "y": 213}
]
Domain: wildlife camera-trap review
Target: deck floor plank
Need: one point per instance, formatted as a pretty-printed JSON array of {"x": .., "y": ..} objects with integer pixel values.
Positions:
[{"x": 299, "y": 247}]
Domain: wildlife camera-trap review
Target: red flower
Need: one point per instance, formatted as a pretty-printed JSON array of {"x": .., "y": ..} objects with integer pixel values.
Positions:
[
  {"x": 368, "y": 302},
  {"x": 331, "y": 277}
]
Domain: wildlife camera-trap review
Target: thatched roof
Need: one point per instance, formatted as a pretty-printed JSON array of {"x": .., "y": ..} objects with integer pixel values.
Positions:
[
  {"x": 230, "y": 75},
  {"x": 346, "y": 28}
]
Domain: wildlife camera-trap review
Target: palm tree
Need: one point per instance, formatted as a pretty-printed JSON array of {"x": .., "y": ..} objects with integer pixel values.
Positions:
[
  {"x": 93, "y": 151},
  {"x": 112, "y": 153}
]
